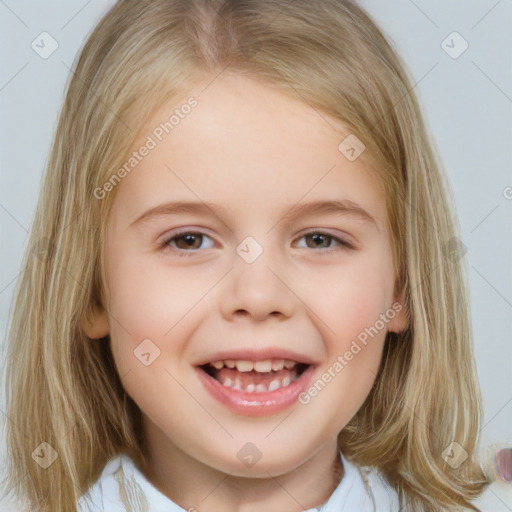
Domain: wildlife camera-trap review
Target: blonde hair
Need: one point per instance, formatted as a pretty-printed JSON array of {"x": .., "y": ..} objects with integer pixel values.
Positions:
[{"x": 62, "y": 387}]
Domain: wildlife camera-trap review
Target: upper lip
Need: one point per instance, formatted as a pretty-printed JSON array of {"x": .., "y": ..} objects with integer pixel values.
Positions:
[{"x": 261, "y": 354}]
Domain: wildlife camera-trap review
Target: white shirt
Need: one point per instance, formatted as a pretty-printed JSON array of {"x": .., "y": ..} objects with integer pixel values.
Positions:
[{"x": 123, "y": 488}]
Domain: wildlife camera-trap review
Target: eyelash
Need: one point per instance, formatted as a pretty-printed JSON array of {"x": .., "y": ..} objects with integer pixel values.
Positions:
[{"x": 166, "y": 244}]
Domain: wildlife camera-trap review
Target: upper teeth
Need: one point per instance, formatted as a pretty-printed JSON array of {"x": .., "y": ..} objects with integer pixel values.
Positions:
[{"x": 259, "y": 366}]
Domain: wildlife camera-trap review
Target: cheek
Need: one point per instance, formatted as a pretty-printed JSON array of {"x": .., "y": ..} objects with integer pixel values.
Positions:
[
  {"x": 148, "y": 304},
  {"x": 350, "y": 298},
  {"x": 150, "y": 299}
]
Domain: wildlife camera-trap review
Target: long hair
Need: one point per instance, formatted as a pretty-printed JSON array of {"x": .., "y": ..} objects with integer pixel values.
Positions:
[{"x": 62, "y": 387}]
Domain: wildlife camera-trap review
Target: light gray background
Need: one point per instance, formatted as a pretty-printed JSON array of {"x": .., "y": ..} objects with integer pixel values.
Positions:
[{"x": 467, "y": 101}]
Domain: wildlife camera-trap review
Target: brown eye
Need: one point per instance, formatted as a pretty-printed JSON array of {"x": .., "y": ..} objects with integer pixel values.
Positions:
[
  {"x": 318, "y": 240},
  {"x": 188, "y": 241},
  {"x": 323, "y": 242}
]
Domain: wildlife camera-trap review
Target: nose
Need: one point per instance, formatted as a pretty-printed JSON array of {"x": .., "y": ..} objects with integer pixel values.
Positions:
[{"x": 258, "y": 290}]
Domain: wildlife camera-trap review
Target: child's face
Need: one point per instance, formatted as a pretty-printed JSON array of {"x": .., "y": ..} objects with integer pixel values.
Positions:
[{"x": 253, "y": 155}]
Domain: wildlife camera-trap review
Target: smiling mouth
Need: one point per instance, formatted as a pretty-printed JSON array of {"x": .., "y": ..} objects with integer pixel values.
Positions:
[{"x": 255, "y": 376}]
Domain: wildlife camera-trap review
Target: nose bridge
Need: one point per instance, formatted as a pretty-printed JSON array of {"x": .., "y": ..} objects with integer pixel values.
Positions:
[{"x": 254, "y": 285}]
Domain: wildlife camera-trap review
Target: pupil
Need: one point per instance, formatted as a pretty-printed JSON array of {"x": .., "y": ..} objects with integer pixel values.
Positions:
[
  {"x": 320, "y": 240},
  {"x": 190, "y": 240}
]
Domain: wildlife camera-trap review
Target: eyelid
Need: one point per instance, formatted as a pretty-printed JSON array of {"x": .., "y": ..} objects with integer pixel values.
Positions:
[
  {"x": 344, "y": 240},
  {"x": 164, "y": 241}
]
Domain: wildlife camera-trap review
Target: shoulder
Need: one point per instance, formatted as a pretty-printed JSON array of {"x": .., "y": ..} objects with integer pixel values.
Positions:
[
  {"x": 363, "y": 489},
  {"x": 122, "y": 487}
]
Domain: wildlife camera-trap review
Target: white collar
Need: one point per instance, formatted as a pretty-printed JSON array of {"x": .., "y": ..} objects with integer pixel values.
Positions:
[{"x": 122, "y": 487}]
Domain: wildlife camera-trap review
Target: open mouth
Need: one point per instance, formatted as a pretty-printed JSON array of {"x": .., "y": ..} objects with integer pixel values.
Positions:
[{"x": 255, "y": 376}]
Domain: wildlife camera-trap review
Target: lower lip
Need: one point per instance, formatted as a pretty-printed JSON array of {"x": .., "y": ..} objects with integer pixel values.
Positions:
[{"x": 257, "y": 404}]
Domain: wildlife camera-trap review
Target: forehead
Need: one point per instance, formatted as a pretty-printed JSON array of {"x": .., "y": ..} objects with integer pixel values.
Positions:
[{"x": 243, "y": 141}]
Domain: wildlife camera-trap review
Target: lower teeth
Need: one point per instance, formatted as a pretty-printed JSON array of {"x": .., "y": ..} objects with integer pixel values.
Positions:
[{"x": 258, "y": 388}]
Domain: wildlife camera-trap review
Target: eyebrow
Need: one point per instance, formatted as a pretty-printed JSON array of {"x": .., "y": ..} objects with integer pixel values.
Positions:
[{"x": 342, "y": 207}]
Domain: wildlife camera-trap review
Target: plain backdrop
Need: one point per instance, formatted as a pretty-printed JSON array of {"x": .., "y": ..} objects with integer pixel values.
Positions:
[{"x": 460, "y": 57}]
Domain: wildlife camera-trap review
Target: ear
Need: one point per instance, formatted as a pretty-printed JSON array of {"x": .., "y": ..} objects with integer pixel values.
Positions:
[
  {"x": 95, "y": 323},
  {"x": 400, "y": 321}
]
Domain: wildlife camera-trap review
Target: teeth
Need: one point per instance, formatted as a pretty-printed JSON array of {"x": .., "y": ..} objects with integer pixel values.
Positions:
[
  {"x": 263, "y": 366},
  {"x": 275, "y": 384},
  {"x": 256, "y": 388},
  {"x": 259, "y": 366},
  {"x": 244, "y": 366},
  {"x": 277, "y": 365}
]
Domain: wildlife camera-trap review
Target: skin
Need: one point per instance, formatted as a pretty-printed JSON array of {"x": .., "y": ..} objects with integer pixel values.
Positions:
[{"x": 257, "y": 152}]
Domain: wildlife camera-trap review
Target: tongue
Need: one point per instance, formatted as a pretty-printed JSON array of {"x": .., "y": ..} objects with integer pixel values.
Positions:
[{"x": 254, "y": 377}]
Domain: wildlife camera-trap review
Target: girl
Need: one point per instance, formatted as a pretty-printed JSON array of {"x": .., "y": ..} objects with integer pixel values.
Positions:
[{"x": 244, "y": 288}]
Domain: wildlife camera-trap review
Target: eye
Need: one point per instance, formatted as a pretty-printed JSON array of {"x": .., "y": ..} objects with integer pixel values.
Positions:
[
  {"x": 319, "y": 240},
  {"x": 188, "y": 241}
]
